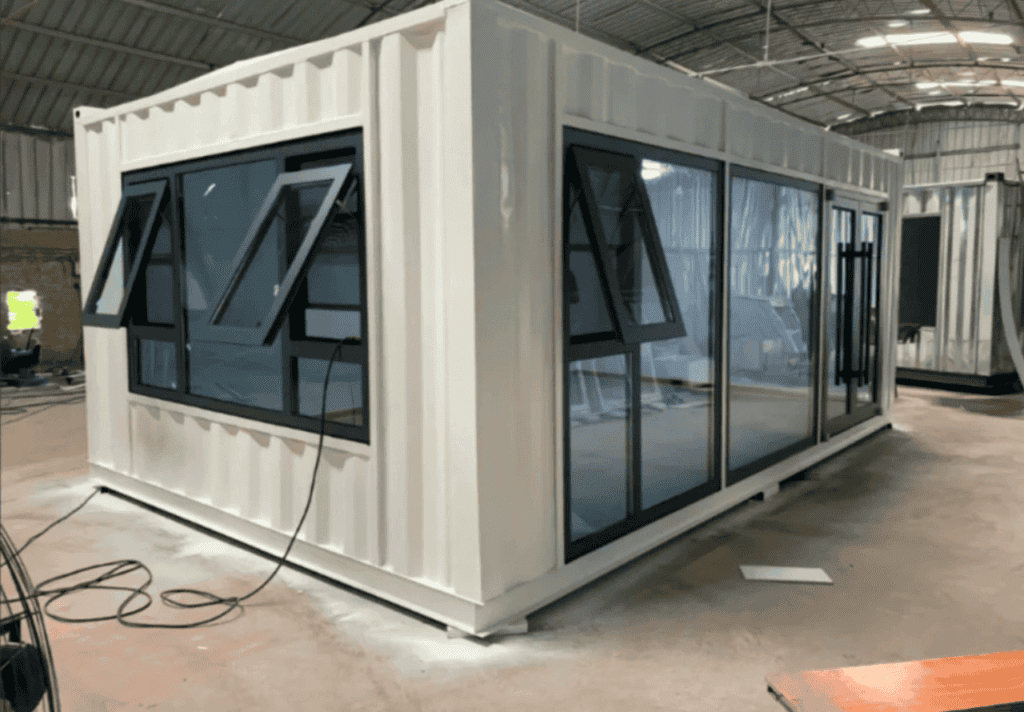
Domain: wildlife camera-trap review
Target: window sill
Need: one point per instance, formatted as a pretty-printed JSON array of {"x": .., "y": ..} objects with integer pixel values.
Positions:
[{"x": 255, "y": 426}]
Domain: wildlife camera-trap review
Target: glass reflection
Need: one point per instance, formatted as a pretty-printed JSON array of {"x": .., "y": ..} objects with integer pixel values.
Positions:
[
  {"x": 334, "y": 272},
  {"x": 588, "y": 308},
  {"x": 621, "y": 214},
  {"x": 293, "y": 213},
  {"x": 599, "y": 442},
  {"x": 158, "y": 363},
  {"x": 677, "y": 429},
  {"x": 219, "y": 206},
  {"x": 344, "y": 391},
  {"x": 773, "y": 253}
]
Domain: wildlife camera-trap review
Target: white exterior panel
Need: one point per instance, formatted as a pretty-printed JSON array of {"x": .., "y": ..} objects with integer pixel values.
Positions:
[{"x": 455, "y": 507}]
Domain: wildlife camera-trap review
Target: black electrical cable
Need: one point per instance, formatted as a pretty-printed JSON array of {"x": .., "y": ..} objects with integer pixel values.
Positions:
[
  {"x": 61, "y": 399},
  {"x": 27, "y": 411},
  {"x": 127, "y": 566}
]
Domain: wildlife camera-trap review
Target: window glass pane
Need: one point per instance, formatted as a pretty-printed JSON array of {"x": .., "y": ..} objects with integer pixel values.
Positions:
[
  {"x": 588, "y": 308},
  {"x": 344, "y": 392},
  {"x": 333, "y": 324},
  {"x": 334, "y": 273},
  {"x": 249, "y": 375},
  {"x": 162, "y": 239},
  {"x": 113, "y": 290},
  {"x": 160, "y": 294},
  {"x": 219, "y": 206},
  {"x": 129, "y": 232},
  {"x": 599, "y": 443},
  {"x": 620, "y": 212},
  {"x": 158, "y": 363},
  {"x": 677, "y": 425},
  {"x": 133, "y": 222},
  {"x": 293, "y": 212},
  {"x": 773, "y": 252}
]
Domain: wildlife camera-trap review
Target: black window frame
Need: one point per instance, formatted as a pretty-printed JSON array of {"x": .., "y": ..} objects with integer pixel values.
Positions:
[
  {"x": 577, "y": 157},
  {"x": 336, "y": 148},
  {"x": 159, "y": 189},
  {"x": 597, "y": 345},
  {"x": 298, "y": 266}
]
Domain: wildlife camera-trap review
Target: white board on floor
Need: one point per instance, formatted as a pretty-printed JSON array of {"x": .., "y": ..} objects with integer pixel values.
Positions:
[{"x": 790, "y": 574}]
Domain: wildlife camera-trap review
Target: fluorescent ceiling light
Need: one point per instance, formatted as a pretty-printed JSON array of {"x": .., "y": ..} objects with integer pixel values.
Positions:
[
  {"x": 956, "y": 83},
  {"x": 843, "y": 117},
  {"x": 919, "y": 11},
  {"x": 925, "y": 105},
  {"x": 975, "y": 37},
  {"x": 908, "y": 38},
  {"x": 1012, "y": 82},
  {"x": 935, "y": 92},
  {"x": 1005, "y": 59},
  {"x": 898, "y": 23},
  {"x": 928, "y": 38}
]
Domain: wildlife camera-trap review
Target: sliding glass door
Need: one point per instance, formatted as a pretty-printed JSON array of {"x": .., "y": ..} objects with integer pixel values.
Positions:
[{"x": 851, "y": 325}]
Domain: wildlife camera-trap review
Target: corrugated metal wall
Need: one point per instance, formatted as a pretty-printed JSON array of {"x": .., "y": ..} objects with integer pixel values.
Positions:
[
  {"x": 597, "y": 88},
  {"x": 952, "y": 152},
  {"x": 971, "y": 222},
  {"x": 400, "y": 88},
  {"x": 35, "y": 177},
  {"x": 106, "y": 350}
]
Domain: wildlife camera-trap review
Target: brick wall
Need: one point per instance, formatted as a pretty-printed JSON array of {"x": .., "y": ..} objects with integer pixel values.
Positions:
[{"x": 45, "y": 261}]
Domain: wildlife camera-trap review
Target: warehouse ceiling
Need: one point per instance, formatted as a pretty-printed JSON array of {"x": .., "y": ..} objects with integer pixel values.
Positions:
[{"x": 828, "y": 61}]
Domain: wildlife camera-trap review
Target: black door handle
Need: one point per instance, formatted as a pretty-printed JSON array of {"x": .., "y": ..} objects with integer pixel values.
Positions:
[{"x": 840, "y": 303}]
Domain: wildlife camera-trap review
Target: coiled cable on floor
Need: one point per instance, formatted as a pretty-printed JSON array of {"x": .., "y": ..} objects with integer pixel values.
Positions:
[{"x": 170, "y": 597}]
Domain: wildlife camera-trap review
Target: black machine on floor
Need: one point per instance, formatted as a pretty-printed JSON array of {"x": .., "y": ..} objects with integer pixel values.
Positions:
[
  {"x": 27, "y": 680},
  {"x": 16, "y": 365}
]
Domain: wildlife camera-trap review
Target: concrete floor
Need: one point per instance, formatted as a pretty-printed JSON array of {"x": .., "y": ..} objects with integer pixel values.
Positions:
[{"x": 920, "y": 528}]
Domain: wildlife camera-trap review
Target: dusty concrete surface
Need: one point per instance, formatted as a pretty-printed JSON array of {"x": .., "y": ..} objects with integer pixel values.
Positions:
[{"x": 919, "y": 527}]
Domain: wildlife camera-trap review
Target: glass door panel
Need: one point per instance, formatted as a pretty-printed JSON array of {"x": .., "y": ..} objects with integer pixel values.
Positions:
[
  {"x": 870, "y": 235},
  {"x": 836, "y": 394},
  {"x": 851, "y": 392}
]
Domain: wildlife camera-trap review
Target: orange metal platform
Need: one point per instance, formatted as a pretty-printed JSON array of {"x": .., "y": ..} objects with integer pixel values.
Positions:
[{"x": 993, "y": 683}]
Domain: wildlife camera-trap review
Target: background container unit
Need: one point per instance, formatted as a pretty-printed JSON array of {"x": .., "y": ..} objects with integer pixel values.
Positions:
[
  {"x": 956, "y": 229},
  {"x": 453, "y": 503}
]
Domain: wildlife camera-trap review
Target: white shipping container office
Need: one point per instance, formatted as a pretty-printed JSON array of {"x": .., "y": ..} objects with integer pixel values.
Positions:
[
  {"x": 950, "y": 294},
  {"x": 519, "y": 236}
]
